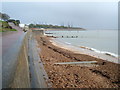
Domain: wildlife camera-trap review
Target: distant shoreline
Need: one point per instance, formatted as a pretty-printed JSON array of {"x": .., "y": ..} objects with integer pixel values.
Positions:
[{"x": 65, "y": 29}]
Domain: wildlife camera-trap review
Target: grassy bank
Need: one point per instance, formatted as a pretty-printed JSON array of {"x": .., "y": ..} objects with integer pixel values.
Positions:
[
  {"x": 4, "y": 26},
  {"x": 6, "y": 29}
]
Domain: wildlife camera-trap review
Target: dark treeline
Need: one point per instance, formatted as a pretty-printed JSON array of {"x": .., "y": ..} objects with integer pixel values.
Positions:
[
  {"x": 51, "y": 26},
  {"x": 45, "y": 26}
]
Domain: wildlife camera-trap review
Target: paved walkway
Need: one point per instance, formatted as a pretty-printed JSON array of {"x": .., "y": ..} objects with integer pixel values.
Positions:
[{"x": 11, "y": 42}]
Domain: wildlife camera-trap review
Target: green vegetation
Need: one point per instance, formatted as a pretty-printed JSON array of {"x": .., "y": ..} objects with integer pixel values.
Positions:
[
  {"x": 16, "y": 22},
  {"x": 6, "y": 29},
  {"x": 4, "y": 26}
]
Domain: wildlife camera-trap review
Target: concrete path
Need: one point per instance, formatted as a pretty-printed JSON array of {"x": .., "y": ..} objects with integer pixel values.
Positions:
[
  {"x": 11, "y": 43},
  {"x": 10, "y": 38},
  {"x": 0, "y": 60}
]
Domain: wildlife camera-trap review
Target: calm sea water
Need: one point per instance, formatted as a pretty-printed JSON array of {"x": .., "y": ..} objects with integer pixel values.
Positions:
[{"x": 98, "y": 40}]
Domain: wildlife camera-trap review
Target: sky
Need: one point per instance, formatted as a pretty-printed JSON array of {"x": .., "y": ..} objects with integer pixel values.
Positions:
[
  {"x": 60, "y": 0},
  {"x": 88, "y": 15}
]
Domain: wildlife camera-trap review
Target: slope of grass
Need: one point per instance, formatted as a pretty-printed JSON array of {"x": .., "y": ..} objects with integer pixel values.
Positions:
[
  {"x": 4, "y": 26},
  {"x": 6, "y": 29}
]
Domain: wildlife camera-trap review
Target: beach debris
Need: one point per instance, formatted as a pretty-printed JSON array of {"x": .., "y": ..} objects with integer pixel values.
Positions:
[{"x": 81, "y": 62}]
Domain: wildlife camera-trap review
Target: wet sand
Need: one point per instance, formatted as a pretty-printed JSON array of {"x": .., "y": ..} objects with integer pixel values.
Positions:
[{"x": 102, "y": 74}]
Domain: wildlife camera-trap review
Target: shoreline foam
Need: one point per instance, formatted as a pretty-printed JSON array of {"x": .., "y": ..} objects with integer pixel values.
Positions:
[
  {"x": 86, "y": 50},
  {"x": 98, "y": 51}
]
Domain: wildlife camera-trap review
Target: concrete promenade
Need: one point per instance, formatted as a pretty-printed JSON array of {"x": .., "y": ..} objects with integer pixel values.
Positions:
[
  {"x": 11, "y": 43},
  {"x": 20, "y": 60}
]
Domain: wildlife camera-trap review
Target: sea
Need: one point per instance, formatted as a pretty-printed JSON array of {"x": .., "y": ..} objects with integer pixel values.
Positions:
[{"x": 99, "y": 41}]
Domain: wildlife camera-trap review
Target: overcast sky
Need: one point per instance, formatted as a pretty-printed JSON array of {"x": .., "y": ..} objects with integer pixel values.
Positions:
[
  {"x": 89, "y": 15},
  {"x": 60, "y": 0}
]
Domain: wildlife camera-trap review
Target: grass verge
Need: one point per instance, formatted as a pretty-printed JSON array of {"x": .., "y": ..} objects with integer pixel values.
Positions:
[{"x": 6, "y": 29}]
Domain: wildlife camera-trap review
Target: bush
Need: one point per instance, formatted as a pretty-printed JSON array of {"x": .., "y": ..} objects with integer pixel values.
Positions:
[
  {"x": 4, "y": 24},
  {"x": 10, "y": 20}
]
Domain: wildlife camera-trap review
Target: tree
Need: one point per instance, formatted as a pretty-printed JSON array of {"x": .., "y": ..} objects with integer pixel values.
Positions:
[
  {"x": 4, "y": 16},
  {"x": 31, "y": 25},
  {"x": 11, "y": 20},
  {"x": 18, "y": 22}
]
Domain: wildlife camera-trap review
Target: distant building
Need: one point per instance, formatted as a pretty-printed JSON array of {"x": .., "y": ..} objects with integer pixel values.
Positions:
[
  {"x": 26, "y": 27},
  {"x": 22, "y": 25}
]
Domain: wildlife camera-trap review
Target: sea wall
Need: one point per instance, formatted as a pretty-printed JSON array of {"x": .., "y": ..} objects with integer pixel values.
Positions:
[
  {"x": 38, "y": 32},
  {"x": 22, "y": 76}
]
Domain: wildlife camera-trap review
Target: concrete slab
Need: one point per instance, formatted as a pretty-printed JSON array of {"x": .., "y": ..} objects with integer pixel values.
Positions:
[{"x": 81, "y": 62}]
